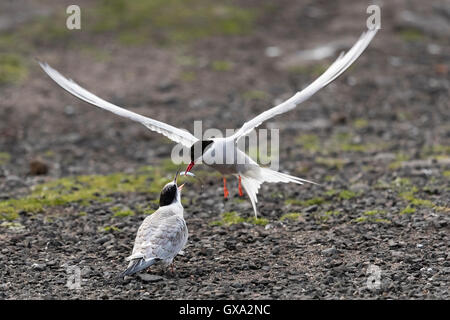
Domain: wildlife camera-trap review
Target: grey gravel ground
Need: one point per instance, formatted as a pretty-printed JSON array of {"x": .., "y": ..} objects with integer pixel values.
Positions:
[{"x": 377, "y": 140}]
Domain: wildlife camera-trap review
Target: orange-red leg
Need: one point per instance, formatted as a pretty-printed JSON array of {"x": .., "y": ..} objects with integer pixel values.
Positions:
[
  {"x": 240, "y": 187},
  {"x": 225, "y": 190}
]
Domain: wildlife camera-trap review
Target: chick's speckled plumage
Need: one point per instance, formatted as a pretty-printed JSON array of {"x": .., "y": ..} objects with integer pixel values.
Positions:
[{"x": 161, "y": 236}]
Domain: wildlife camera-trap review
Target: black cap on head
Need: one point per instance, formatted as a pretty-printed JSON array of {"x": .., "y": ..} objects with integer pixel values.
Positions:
[
  {"x": 198, "y": 148},
  {"x": 168, "y": 194}
]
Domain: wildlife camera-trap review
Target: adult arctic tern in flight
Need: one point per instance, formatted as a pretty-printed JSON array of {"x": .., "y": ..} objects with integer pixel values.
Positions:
[{"x": 232, "y": 160}]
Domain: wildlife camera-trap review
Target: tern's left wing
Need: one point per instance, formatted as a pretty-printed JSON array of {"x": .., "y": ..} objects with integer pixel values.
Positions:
[
  {"x": 175, "y": 134},
  {"x": 335, "y": 70}
]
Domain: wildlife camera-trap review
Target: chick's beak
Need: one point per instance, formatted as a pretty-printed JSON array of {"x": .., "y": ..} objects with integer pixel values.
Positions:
[
  {"x": 180, "y": 187},
  {"x": 176, "y": 177}
]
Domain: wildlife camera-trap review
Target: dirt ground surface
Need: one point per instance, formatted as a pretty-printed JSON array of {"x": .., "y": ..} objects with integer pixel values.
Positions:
[{"x": 76, "y": 181}]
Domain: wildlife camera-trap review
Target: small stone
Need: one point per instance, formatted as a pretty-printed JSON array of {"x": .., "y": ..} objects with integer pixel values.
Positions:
[
  {"x": 276, "y": 250},
  {"x": 273, "y": 52},
  {"x": 397, "y": 253},
  {"x": 69, "y": 110},
  {"x": 102, "y": 240},
  {"x": 51, "y": 263},
  {"x": 311, "y": 208},
  {"x": 392, "y": 244},
  {"x": 206, "y": 251},
  {"x": 329, "y": 251},
  {"x": 166, "y": 86},
  {"x": 14, "y": 182},
  {"x": 150, "y": 277},
  {"x": 38, "y": 266},
  {"x": 359, "y": 187},
  {"x": 433, "y": 49},
  {"x": 38, "y": 167}
]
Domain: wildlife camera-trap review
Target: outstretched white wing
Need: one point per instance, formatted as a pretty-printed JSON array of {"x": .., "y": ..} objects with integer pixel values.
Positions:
[
  {"x": 334, "y": 71},
  {"x": 174, "y": 134}
]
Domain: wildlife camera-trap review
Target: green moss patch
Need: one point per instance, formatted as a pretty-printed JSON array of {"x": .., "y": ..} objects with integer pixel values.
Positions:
[
  {"x": 332, "y": 163},
  {"x": 417, "y": 202},
  {"x": 346, "y": 195},
  {"x": 313, "y": 70},
  {"x": 148, "y": 208},
  {"x": 121, "y": 212},
  {"x": 15, "y": 226},
  {"x": 411, "y": 35},
  {"x": 109, "y": 229},
  {"x": 230, "y": 218},
  {"x": 255, "y": 95},
  {"x": 188, "y": 76},
  {"x": 309, "y": 142},
  {"x": 344, "y": 141},
  {"x": 371, "y": 219},
  {"x": 290, "y": 216},
  {"x": 171, "y": 21},
  {"x": 84, "y": 190},
  {"x": 4, "y": 158},
  {"x": 327, "y": 215},
  {"x": 407, "y": 191},
  {"x": 305, "y": 203},
  {"x": 374, "y": 212},
  {"x": 399, "y": 159},
  {"x": 435, "y": 150},
  {"x": 403, "y": 185},
  {"x": 221, "y": 65},
  {"x": 360, "y": 123},
  {"x": 338, "y": 143},
  {"x": 12, "y": 69},
  {"x": 332, "y": 194},
  {"x": 408, "y": 210}
]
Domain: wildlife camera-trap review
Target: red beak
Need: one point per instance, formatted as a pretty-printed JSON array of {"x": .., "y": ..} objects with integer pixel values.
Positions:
[{"x": 189, "y": 167}]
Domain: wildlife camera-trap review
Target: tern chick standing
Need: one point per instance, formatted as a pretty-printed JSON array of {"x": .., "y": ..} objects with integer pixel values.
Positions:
[
  {"x": 231, "y": 161},
  {"x": 162, "y": 235}
]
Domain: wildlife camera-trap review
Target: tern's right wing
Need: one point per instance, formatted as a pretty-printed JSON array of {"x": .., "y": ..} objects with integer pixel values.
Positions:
[
  {"x": 174, "y": 134},
  {"x": 334, "y": 71}
]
